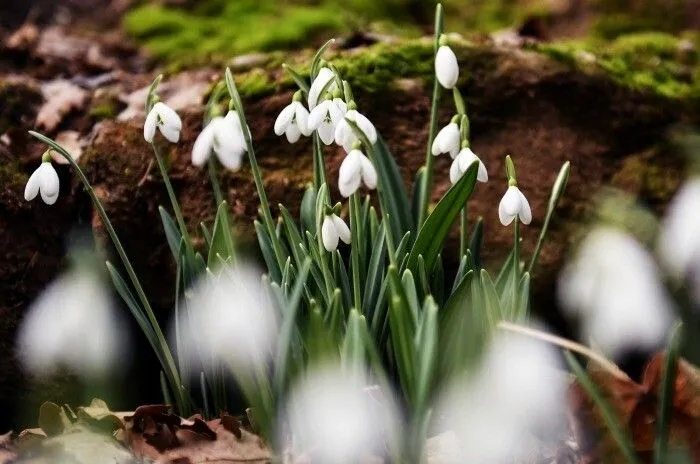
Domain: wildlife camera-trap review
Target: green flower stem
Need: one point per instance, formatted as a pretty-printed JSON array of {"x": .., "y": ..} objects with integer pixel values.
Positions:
[
  {"x": 173, "y": 199},
  {"x": 389, "y": 240},
  {"x": 214, "y": 178},
  {"x": 516, "y": 263},
  {"x": 355, "y": 247},
  {"x": 428, "y": 178},
  {"x": 463, "y": 232},
  {"x": 257, "y": 176},
  {"x": 169, "y": 367},
  {"x": 319, "y": 165},
  {"x": 325, "y": 271}
]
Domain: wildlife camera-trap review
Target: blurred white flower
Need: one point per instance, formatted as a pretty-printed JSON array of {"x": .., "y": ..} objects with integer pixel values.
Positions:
[
  {"x": 228, "y": 318},
  {"x": 334, "y": 417},
  {"x": 43, "y": 180},
  {"x": 325, "y": 117},
  {"x": 515, "y": 394},
  {"x": 356, "y": 168},
  {"x": 73, "y": 323},
  {"x": 613, "y": 284},
  {"x": 223, "y": 136},
  {"x": 448, "y": 140},
  {"x": 293, "y": 121},
  {"x": 166, "y": 120},
  {"x": 446, "y": 67},
  {"x": 332, "y": 230},
  {"x": 514, "y": 204},
  {"x": 345, "y": 136},
  {"x": 461, "y": 163},
  {"x": 322, "y": 81},
  {"x": 679, "y": 240}
]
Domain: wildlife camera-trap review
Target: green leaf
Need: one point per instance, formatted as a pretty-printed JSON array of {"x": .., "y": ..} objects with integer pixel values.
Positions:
[
  {"x": 461, "y": 271},
  {"x": 307, "y": 212},
  {"x": 668, "y": 383},
  {"x": 375, "y": 270},
  {"x": 423, "y": 277},
  {"x": 426, "y": 349},
  {"x": 436, "y": 227},
  {"x": 322, "y": 200},
  {"x": 316, "y": 62},
  {"x": 298, "y": 79},
  {"x": 418, "y": 194},
  {"x": 524, "y": 303},
  {"x": 222, "y": 237},
  {"x": 267, "y": 252},
  {"x": 353, "y": 349},
  {"x": 205, "y": 233},
  {"x": 492, "y": 305},
  {"x": 402, "y": 330},
  {"x": 335, "y": 316},
  {"x": 172, "y": 233},
  {"x": 476, "y": 243},
  {"x": 342, "y": 278},
  {"x": 411, "y": 294},
  {"x": 437, "y": 282},
  {"x": 293, "y": 236},
  {"x": 392, "y": 192},
  {"x": 607, "y": 411}
]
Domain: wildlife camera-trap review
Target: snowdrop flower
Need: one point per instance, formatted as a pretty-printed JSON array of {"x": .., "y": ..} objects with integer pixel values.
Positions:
[
  {"x": 325, "y": 117},
  {"x": 515, "y": 395},
  {"x": 332, "y": 230},
  {"x": 223, "y": 136},
  {"x": 461, "y": 163},
  {"x": 448, "y": 140},
  {"x": 231, "y": 319},
  {"x": 322, "y": 81},
  {"x": 166, "y": 120},
  {"x": 73, "y": 323},
  {"x": 345, "y": 136},
  {"x": 356, "y": 168},
  {"x": 333, "y": 416},
  {"x": 514, "y": 204},
  {"x": 446, "y": 67},
  {"x": 679, "y": 240},
  {"x": 613, "y": 284},
  {"x": 45, "y": 181},
  {"x": 293, "y": 120}
]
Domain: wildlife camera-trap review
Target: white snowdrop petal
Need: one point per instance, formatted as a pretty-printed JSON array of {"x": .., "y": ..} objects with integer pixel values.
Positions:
[
  {"x": 329, "y": 235},
  {"x": 455, "y": 172},
  {"x": 341, "y": 105},
  {"x": 284, "y": 119},
  {"x": 369, "y": 174},
  {"x": 204, "y": 143},
  {"x": 49, "y": 183},
  {"x": 341, "y": 229},
  {"x": 337, "y": 110},
  {"x": 230, "y": 157},
  {"x": 32, "y": 188},
  {"x": 49, "y": 199},
  {"x": 524, "y": 212},
  {"x": 446, "y": 67},
  {"x": 317, "y": 115},
  {"x": 322, "y": 78},
  {"x": 351, "y": 167},
  {"x": 171, "y": 133},
  {"x": 366, "y": 126},
  {"x": 350, "y": 186},
  {"x": 326, "y": 132},
  {"x": 293, "y": 133},
  {"x": 482, "y": 175},
  {"x": 302, "y": 119},
  {"x": 149, "y": 127},
  {"x": 169, "y": 118}
]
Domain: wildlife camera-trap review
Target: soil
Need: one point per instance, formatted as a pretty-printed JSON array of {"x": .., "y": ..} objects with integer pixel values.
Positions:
[{"x": 521, "y": 103}]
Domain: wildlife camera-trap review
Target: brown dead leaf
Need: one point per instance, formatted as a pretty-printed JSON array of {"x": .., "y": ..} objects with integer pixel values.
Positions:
[
  {"x": 231, "y": 424},
  {"x": 23, "y": 38},
  {"x": 8, "y": 450},
  {"x": 72, "y": 142},
  {"x": 637, "y": 405},
  {"x": 60, "y": 98}
]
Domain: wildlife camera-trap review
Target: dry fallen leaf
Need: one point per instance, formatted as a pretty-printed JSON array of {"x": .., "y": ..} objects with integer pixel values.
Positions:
[
  {"x": 8, "y": 450},
  {"x": 60, "y": 98},
  {"x": 71, "y": 141}
]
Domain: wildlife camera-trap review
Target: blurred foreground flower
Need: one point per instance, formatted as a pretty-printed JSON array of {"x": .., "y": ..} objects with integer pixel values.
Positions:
[
  {"x": 229, "y": 318},
  {"x": 73, "y": 323},
  {"x": 335, "y": 417},
  {"x": 517, "y": 393},
  {"x": 613, "y": 283}
]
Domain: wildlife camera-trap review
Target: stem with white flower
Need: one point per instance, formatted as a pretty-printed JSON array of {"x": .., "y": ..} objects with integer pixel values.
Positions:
[
  {"x": 257, "y": 175},
  {"x": 464, "y": 137},
  {"x": 160, "y": 345},
  {"x": 355, "y": 247},
  {"x": 428, "y": 177}
]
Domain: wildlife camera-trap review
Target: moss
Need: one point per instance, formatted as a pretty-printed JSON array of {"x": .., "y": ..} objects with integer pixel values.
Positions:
[
  {"x": 621, "y": 17},
  {"x": 650, "y": 176},
  {"x": 104, "y": 108},
  {"x": 255, "y": 84},
  {"x": 654, "y": 62},
  {"x": 19, "y": 102}
]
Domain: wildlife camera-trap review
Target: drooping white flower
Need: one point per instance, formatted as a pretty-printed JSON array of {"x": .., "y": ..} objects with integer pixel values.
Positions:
[
  {"x": 446, "y": 67},
  {"x": 166, "y": 120},
  {"x": 45, "y": 181},
  {"x": 613, "y": 284},
  {"x": 333, "y": 416},
  {"x": 293, "y": 120},
  {"x": 679, "y": 240},
  {"x": 230, "y": 319},
  {"x": 516, "y": 395},
  {"x": 325, "y": 117},
  {"x": 73, "y": 323},
  {"x": 322, "y": 81},
  {"x": 345, "y": 136},
  {"x": 223, "y": 136},
  {"x": 356, "y": 168},
  {"x": 448, "y": 140},
  {"x": 461, "y": 163},
  {"x": 514, "y": 204},
  {"x": 332, "y": 230}
]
